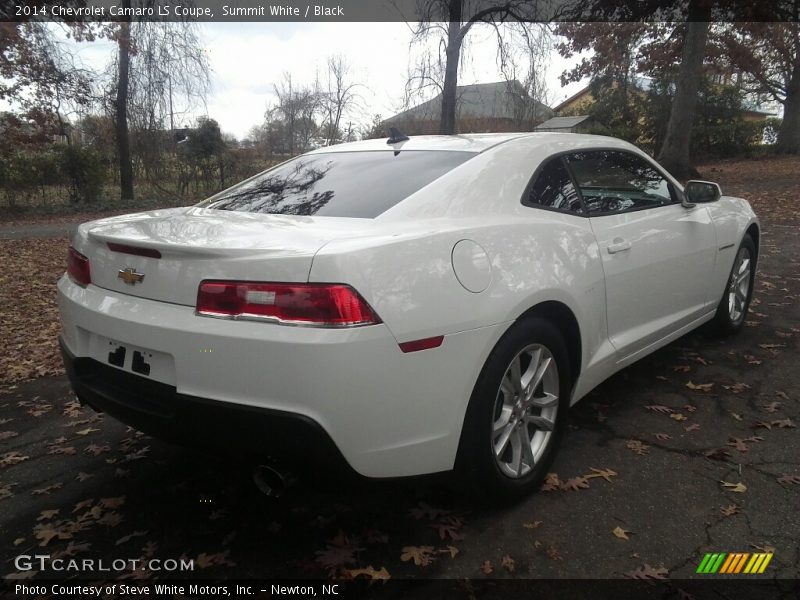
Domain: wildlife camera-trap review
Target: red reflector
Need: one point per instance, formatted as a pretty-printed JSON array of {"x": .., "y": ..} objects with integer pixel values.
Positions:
[
  {"x": 314, "y": 304},
  {"x": 425, "y": 344},
  {"x": 135, "y": 250},
  {"x": 78, "y": 267}
]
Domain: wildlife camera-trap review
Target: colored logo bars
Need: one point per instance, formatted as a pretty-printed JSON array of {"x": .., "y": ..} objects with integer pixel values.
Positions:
[{"x": 733, "y": 563}]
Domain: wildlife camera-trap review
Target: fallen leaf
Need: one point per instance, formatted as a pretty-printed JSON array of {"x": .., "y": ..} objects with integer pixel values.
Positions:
[
  {"x": 702, "y": 387},
  {"x": 508, "y": 563},
  {"x": 739, "y": 487},
  {"x": 784, "y": 424},
  {"x": 717, "y": 454},
  {"x": 663, "y": 437},
  {"x": 551, "y": 483},
  {"x": 620, "y": 533},
  {"x": 736, "y": 416},
  {"x": 637, "y": 446},
  {"x": 647, "y": 572},
  {"x": 421, "y": 555},
  {"x": 369, "y": 572},
  {"x": 112, "y": 502},
  {"x": 12, "y": 458},
  {"x": 83, "y": 476},
  {"x": 533, "y": 525},
  {"x": 448, "y": 528},
  {"x": 96, "y": 450},
  {"x": 86, "y": 431},
  {"x": 771, "y": 407},
  {"x": 487, "y": 568},
  {"x": 692, "y": 427},
  {"x": 737, "y": 388},
  {"x": 729, "y": 510},
  {"x": 47, "y": 489},
  {"x": 789, "y": 479},
  {"x": 47, "y": 515},
  {"x": 575, "y": 484},
  {"x": 7, "y": 435},
  {"x": 18, "y": 541},
  {"x": 205, "y": 561},
  {"x": 739, "y": 444},
  {"x": 451, "y": 550},
  {"x": 553, "y": 553},
  {"x": 677, "y": 416},
  {"x": 681, "y": 368},
  {"x": 129, "y": 537},
  {"x": 764, "y": 547},
  {"x": 606, "y": 474}
]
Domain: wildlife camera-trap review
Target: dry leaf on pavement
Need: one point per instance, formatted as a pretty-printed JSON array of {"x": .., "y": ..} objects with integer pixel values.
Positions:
[
  {"x": 739, "y": 487},
  {"x": 421, "y": 555},
  {"x": 620, "y": 533}
]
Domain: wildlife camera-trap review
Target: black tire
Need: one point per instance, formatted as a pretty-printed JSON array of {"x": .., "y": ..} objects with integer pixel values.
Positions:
[
  {"x": 730, "y": 318},
  {"x": 478, "y": 466}
]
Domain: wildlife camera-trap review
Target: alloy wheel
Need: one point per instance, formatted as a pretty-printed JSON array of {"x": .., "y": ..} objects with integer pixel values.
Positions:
[{"x": 525, "y": 410}]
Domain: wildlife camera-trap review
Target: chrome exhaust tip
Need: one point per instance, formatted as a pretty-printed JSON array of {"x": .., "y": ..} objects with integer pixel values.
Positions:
[{"x": 270, "y": 481}]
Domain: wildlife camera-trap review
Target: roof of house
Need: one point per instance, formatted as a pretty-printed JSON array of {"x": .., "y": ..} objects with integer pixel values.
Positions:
[
  {"x": 562, "y": 123},
  {"x": 645, "y": 83},
  {"x": 480, "y": 100}
]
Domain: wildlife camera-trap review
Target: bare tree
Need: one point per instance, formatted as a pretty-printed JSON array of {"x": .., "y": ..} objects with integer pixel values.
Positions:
[
  {"x": 448, "y": 22},
  {"x": 523, "y": 54},
  {"x": 338, "y": 98},
  {"x": 121, "y": 109},
  {"x": 161, "y": 70},
  {"x": 297, "y": 107}
]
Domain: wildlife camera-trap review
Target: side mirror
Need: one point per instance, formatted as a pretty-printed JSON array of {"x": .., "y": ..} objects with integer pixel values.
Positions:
[{"x": 702, "y": 191}]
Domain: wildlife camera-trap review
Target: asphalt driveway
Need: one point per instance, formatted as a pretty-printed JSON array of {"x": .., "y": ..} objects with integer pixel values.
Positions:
[{"x": 695, "y": 449}]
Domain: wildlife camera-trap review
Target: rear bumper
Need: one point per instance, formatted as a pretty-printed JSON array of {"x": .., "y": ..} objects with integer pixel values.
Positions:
[
  {"x": 389, "y": 414},
  {"x": 232, "y": 429}
]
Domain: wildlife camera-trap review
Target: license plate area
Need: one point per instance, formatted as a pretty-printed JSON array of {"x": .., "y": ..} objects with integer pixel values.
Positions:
[{"x": 145, "y": 362}]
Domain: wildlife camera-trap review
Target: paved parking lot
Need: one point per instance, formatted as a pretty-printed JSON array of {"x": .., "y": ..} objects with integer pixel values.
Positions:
[{"x": 694, "y": 449}]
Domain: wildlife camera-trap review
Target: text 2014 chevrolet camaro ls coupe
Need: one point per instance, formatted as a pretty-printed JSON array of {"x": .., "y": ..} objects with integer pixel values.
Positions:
[{"x": 407, "y": 307}]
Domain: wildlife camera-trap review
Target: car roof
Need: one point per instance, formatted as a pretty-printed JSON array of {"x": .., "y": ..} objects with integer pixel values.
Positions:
[{"x": 472, "y": 142}]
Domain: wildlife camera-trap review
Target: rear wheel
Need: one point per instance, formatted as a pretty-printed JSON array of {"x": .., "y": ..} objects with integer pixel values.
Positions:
[
  {"x": 732, "y": 309},
  {"x": 517, "y": 412}
]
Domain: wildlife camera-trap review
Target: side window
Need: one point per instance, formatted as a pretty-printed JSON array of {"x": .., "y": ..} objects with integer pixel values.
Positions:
[
  {"x": 553, "y": 188},
  {"x": 614, "y": 182}
]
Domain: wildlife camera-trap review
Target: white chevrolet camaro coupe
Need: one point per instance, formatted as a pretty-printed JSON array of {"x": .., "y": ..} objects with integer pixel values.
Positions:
[{"x": 402, "y": 307}]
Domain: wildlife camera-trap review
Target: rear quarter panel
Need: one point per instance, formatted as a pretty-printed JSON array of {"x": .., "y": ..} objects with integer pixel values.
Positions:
[{"x": 535, "y": 256}]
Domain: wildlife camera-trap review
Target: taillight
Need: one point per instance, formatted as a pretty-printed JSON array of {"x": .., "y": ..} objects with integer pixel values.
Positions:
[
  {"x": 78, "y": 267},
  {"x": 311, "y": 304}
]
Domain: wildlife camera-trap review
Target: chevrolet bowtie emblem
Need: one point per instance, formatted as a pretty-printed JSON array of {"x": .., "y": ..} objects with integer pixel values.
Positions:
[{"x": 130, "y": 276}]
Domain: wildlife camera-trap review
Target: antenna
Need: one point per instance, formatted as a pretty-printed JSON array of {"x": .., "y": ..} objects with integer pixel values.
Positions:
[{"x": 396, "y": 136}]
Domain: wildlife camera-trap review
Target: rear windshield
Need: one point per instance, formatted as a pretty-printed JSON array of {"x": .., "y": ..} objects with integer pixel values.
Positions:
[{"x": 339, "y": 184}]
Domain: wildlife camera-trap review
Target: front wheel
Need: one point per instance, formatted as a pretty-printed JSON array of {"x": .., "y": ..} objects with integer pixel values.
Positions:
[
  {"x": 517, "y": 412},
  {"x": 733, "y": 307}
]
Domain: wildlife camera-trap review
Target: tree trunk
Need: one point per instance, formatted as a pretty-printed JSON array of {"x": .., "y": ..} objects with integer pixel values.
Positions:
[
  {"x": 789, "y": 134},
  {"x": 121, "y": 106},
  {"x": 447, "y": 124},
  {"x": 674, "y": 154}
]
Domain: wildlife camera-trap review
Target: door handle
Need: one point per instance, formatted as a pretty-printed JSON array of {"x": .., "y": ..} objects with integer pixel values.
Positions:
[{"x": 619, "y": 245}]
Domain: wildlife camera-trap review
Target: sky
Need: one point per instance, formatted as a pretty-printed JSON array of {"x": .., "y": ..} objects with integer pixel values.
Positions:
[{"x": 247, "y": 59}]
